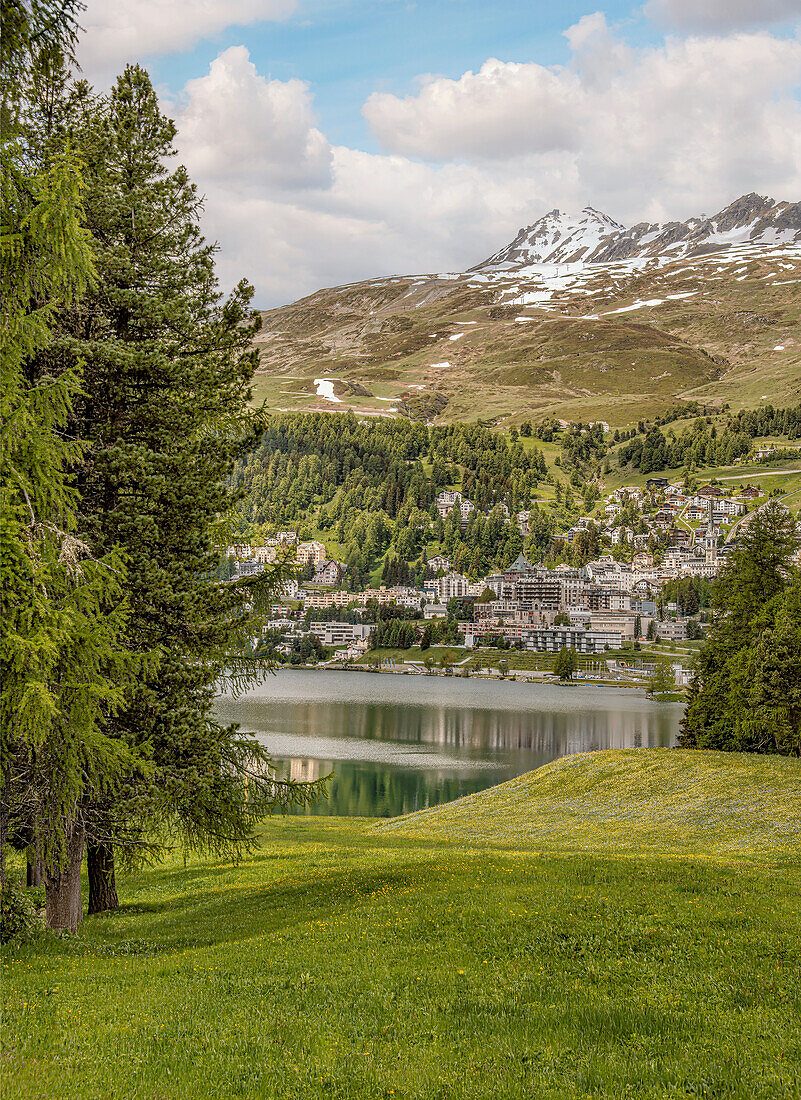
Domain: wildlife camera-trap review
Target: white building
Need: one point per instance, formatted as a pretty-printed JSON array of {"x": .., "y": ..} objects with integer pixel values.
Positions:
[
  {"x": 265, "y": 554},
  {"x": 340, "y": 634},
  {"x": 452, "y": 585},
  {"x": 446, "y": 500},
  {"x": 328, "y": 573},
  {"x": 721, "y": 506},
  {"x": 439, "y": 564},
  {"x": 313, "y": 552}
]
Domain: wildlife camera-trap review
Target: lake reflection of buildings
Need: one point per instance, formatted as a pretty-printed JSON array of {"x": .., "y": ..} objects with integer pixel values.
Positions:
[
  {"x": 476, "y": 730},
  {"x": 304, "y": 770}
]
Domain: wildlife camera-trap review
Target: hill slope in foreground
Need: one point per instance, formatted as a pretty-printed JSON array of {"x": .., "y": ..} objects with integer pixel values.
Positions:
[
  {"x": 417, "y": 961},
  {"x": 620, "y": 339},
  {"x": 698, "y": 804}
]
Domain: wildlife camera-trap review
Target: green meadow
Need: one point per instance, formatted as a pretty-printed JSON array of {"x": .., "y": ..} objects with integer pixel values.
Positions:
[{"x": 616, "y": 924}]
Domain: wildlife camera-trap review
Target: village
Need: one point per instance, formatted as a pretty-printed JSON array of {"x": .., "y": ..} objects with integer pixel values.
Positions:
[{"x": 647, "y": 537}]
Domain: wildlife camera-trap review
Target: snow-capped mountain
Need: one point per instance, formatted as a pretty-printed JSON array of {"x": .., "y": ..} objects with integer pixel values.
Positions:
[
  {"x": 557, "y": 238},
  {"x": 594, "y": 238},
  {"x": 577, "y": 316}
]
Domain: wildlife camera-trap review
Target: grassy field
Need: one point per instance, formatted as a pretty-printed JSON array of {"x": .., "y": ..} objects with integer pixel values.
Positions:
[
  {"x": 637, "y": 936},
  {"x": 523, "y": 660},
  {"x": 729, "y": 336}
]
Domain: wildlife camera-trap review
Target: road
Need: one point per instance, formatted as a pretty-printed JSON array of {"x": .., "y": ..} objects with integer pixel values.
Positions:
[
  {"x": 792, "y": 493},
  {"x": 755, "y": 473}
]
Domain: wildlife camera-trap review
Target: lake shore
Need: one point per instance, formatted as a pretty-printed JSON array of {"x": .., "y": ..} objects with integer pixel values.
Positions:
[
  {"x": 513, "y": 676},
  {"x": 398, "y": 744}
]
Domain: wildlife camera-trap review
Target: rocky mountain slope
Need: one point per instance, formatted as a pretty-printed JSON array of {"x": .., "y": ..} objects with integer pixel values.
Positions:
[
  {"x": 578, "y": 316},
  {"x": 592, "y": 237}
]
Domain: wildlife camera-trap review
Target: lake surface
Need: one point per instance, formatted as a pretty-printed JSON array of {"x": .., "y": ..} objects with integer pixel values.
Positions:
[{"x": 401, "y": 743}]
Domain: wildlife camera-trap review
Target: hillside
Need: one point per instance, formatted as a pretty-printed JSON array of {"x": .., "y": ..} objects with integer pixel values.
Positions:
[
  {"x": 707, "y": 310},
  {"x": 345, "y": 961},
  {"x": 632, "y": 801}
]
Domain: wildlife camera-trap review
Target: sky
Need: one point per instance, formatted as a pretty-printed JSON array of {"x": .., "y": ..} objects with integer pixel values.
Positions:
[{"x": 338, "y": 140}]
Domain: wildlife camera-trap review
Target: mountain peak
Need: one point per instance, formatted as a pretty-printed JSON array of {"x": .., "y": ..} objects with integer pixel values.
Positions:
[
  {"x": 556, "y": 237},
  {"x": 593, "y": 237}
]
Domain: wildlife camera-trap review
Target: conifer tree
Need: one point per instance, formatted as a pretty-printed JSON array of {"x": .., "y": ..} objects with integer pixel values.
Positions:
[
  {"x": 164, "y": 414},
  {"x": 746, "y": 692},
  {"x": 565, "y": 664},
  {"x": 63, "y": 608}
]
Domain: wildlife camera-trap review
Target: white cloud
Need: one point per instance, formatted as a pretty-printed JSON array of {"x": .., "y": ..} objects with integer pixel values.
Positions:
[
  {"x": 721, "y": 15},
  {"x": 652, "y": 99},
  {"x": 662, "y": 132},
  {"x": 121, "y": 31},
  {"x": 237, "y": 125},
  {"x": 501, "y": 109}
]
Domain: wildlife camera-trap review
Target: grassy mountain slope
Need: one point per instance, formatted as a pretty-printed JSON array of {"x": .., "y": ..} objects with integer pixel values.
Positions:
[
  {"x": 574, "y": 356},
  {"x": 342, "y": 961},
  {"x": 633, "y": 800}
]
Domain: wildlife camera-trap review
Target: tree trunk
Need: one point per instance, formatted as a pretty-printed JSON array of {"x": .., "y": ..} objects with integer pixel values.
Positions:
[
  {"x": 63, "y": 887},
  {"x": 34, "y": 874},
  {"x": 102, "y": 884}
]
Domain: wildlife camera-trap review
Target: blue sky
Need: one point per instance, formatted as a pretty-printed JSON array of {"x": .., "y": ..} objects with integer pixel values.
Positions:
[
  {"x": 336, "y": 140},
  {"x": 346, "y": 50}
]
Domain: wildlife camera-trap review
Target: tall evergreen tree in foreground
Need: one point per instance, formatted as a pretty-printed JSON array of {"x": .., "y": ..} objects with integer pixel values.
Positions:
[
  {"x": 746, "y": 694},
  {"x": 164, "y": 413},
  {"x": 63, "y": 609}
]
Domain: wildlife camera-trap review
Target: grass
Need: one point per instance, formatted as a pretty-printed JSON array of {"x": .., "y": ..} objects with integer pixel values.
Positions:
[
  {"x": 633, "y": 800},
  {"x": 523, "y": 660},
  {"x": 715, "y": 346},
  {"x": 637, "y": 937}
]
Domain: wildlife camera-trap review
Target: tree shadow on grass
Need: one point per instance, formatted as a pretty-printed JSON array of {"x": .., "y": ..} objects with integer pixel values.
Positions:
[{"x": 230, "y": 915}]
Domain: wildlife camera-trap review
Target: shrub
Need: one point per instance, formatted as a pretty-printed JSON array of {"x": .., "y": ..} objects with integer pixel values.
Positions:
[{"x": 19, "y": 919}]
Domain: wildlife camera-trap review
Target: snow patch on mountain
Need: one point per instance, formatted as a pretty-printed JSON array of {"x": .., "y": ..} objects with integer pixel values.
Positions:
[
  {"x": 325, "y": 389},
  {"x": 561, "y": 244}
]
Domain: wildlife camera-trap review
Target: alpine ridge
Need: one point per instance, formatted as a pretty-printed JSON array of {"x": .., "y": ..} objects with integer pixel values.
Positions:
[
  {"x": 578, "y": 317},
  {"x": 592, "y": 237}
]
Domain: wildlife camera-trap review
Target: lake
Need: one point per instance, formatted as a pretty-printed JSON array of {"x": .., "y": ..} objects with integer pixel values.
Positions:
[{"x": 401, "y": 743}]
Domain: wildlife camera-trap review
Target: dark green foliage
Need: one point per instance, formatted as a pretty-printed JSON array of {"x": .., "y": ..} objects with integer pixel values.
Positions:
[
  {"x": 661, "y": 681},
  {"x": 703, "y": 444},
  {"x": 395, "y": 634},
  {"x": 64, "y": 604},
  {"x": 163, "y": 414},
  {"x": 746, "y": 695},
  {"x": 689, "y": 593},
  {"x": 565, "y": 664},
  {"x": 367, "y": 484},
  {"x": 582, "y": 444},
  {"x": 307, "y": 648},
  {"x": 19, "y": 920},
  {"x": 586, "y": 545}
]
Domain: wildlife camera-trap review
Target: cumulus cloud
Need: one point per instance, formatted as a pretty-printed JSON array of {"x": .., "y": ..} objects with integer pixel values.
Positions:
[
  {"x": 237, "y": 125},
  {"x": 721, "y": 15},
  {"x": 655, "y": 133},
  {"x": 647, "y": 98},
  {"x": 502, "y": 109},
  {"x": 122, "y": 31}
]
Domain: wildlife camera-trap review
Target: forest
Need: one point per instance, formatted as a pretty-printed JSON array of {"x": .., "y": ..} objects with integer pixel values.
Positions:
[
  {"x": 704, "y": 443},
  {"x": 371, "y": 486}
]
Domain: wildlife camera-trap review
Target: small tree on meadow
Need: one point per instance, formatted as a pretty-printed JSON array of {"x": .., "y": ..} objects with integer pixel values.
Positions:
[{"x": 661, "y": 680}]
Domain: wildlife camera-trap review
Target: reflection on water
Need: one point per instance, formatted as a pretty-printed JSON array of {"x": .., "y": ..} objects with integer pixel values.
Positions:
[{"x": 401, "y": 743}]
